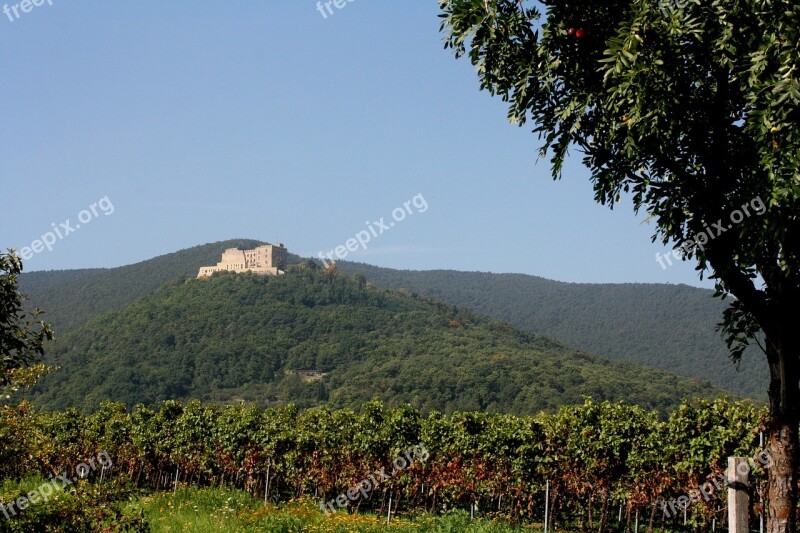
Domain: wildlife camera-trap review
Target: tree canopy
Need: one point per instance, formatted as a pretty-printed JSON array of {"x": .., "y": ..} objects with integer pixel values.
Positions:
[
  {"x": 315, "y": 336},
  {"x": 689, "y": 109},
  {"x": 22, "y": 336}
]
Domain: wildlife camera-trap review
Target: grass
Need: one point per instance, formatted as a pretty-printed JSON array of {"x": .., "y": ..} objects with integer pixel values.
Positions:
[
  {"x": 222, "y": 510},
  {"x": 112, "y": 508}
]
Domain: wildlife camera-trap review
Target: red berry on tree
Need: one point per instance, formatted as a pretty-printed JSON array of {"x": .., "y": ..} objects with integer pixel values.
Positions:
[
  {"x": 571, "y": 32},
  {"x": 580, "y": 33}
]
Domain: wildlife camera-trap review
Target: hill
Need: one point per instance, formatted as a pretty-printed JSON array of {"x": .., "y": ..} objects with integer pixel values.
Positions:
[
  {"x": 244, "y": 337},
  {"x": 665, "y": 326},
  {"x": 70, "y": 298}
]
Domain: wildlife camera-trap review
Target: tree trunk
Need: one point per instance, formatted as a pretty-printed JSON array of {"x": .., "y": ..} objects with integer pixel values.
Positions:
[
  {"x": 628, "y": 519},
  {"x": 158, "y": 483},
  {"x": 603, "y": 514},
  {"x": 782, "y": 356},
  {"x": 652, "y": 522},
  {"x": 555, "y": 499}
]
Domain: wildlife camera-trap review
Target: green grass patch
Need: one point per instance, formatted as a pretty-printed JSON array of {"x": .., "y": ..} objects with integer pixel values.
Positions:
[{"x": 223, "y": 510}]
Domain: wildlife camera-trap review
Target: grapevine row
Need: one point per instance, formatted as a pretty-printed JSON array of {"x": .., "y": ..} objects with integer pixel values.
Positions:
[{"x": 601, "y": 459}]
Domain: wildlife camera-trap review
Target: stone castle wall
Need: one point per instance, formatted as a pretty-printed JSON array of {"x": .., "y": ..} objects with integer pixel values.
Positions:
[{"x": 269, "y": 259}]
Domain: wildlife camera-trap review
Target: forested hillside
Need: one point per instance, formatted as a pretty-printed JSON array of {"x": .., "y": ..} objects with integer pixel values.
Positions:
[
  {"x": 245, "y": 337},
  {"x": 71, "y": 297},
  {"x": 665, "y": 326}
]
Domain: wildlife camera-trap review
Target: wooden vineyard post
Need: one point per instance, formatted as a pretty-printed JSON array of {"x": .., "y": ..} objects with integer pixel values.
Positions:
[{"x": 738, "y": 497}]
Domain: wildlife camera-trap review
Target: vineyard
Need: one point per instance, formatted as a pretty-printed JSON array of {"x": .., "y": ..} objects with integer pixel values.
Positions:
[{"x": 604, "y": 465}]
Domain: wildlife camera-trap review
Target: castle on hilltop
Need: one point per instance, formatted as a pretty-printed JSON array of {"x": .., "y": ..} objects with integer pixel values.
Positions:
[{"x": 269, "y": 260}]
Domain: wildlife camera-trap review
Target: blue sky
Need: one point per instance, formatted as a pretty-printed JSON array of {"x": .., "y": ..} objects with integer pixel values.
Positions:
[{"x": 207, "y": 121}]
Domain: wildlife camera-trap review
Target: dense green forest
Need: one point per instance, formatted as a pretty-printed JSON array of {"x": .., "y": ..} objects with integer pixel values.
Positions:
[
  {"x": 246, "y": 337},
  {"x": 604, "y": 461},
  {"x": 666, "y": 326}
]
